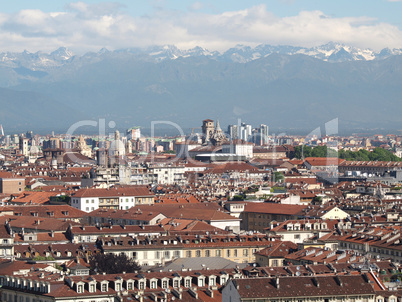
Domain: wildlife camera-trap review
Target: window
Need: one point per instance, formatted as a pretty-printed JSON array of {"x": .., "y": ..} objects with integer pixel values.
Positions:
[
  {"x": 164, "y": 284},
  {"x": 130, "y": 285},
  {"x": 104, "y": 287},
  {"x": 235, "y": 253},
  {"x": 198, "y": 253},
  {"x": 167, "y": 254},
  {"x": 80, "y": 288},
  {"x": 227, "y": 253},
  {"x": 145, "y": 255},
  {"x": 245, "y": 252},
  {"x": 187, "y": 283},
  {"x": 153, "y": 284},
  {"x": 207, "y": 253},
  {"x": 176, "y": 284},
  {"x": 188, "y": 254},
  {"x": 134, "y": 255},
  {"x": 157, "y": 255},
  {"x": 218, "y": 253},
  {"x": 92, "y": 288},
  {"x": 142, "y": 285}
]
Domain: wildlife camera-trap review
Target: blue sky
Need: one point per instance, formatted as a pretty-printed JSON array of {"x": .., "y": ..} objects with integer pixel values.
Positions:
[{"x": 90, "y": 25}]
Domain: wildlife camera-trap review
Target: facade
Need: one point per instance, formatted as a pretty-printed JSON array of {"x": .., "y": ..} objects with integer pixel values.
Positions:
[
  {"x": 151, "y": 251},
  {"x": 238, "y": 147},
  {"x": 10, "y": 184},
  {"x": 298, "y": 231},
  {"x": 88, "y": 200},
  {"x": 258, "y": 216}
]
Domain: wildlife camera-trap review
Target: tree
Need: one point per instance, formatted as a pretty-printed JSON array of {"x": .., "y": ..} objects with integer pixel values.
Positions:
[
  {"x": 113, "y": 264},
  {"x": 278, "y": 177}
]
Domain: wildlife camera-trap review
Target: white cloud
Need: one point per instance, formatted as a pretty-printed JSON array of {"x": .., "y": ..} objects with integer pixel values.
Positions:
[{"x": 83, "y": 27}]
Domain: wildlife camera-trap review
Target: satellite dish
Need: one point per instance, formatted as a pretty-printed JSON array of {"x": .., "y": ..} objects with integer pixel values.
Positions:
[
  {"x": 173, "y": 298},
  {"x": 298, "y": 268},
  {"x": 298, "y": 273},
  {"x": 136, "y": 296}
]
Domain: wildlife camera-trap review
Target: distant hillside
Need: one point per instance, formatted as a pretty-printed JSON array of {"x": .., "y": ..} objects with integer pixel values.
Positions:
[{"x": 132, "y": 87}]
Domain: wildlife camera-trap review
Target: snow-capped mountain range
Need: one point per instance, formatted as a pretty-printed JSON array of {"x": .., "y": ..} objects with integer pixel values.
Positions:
[{"x": 331, "y": 52}]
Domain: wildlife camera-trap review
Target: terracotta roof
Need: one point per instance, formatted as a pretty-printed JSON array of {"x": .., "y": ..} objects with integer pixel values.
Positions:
[
  {"x": 45, "y": 211},
  {"x": 273, "y": 208},
  {"x": 324, "y": 161},
  {"x": 34, "y": 197},
  {"x": 304, "y": 286}
]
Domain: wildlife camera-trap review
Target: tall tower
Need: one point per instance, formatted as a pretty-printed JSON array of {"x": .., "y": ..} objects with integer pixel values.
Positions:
[
  {"x": 207, "y": 130},
  {"x": 217, "y": 137},
  {"x": 23, "y": 144},
  {"x": 263, "y": 134}
]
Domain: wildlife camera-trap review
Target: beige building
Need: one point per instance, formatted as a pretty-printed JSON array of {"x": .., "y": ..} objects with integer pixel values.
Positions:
[{"x": 11, "y": 184}]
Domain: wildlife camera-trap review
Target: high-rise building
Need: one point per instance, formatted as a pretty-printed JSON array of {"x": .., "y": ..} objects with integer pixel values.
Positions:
[
  {"x": 261, "y": 135},
  {"x": 241, "y": 131},
  {"x": 233, "y": 132},
  {"x": 245, "y": 131},
  {"x": 133, "y": 133}
]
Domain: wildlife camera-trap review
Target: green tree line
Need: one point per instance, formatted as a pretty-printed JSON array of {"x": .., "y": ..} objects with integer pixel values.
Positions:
[{"x": 379, "y": 154}]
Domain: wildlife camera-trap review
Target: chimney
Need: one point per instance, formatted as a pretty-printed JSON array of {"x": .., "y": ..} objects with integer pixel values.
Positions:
[
  {"x": 338, "y": 280},
  {"x": 315, "y": 281},
  {"x": 276, "y": 282}
]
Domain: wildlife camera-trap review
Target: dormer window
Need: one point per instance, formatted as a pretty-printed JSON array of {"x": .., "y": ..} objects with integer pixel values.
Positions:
[
  {"x": 80, "y": 288},
  {"x": 187, "y": 283},
  {"x": 92, "y": 288},
  {"x": 104, "y": 287},
  {"x": 118, "y": 286}
]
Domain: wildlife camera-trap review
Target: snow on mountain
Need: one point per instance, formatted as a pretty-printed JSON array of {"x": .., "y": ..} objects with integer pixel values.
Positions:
[{"x": 330, "y": 52}]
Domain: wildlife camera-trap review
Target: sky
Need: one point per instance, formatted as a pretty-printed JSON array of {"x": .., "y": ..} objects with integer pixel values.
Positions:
[{"x": 90, "y": 25}]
